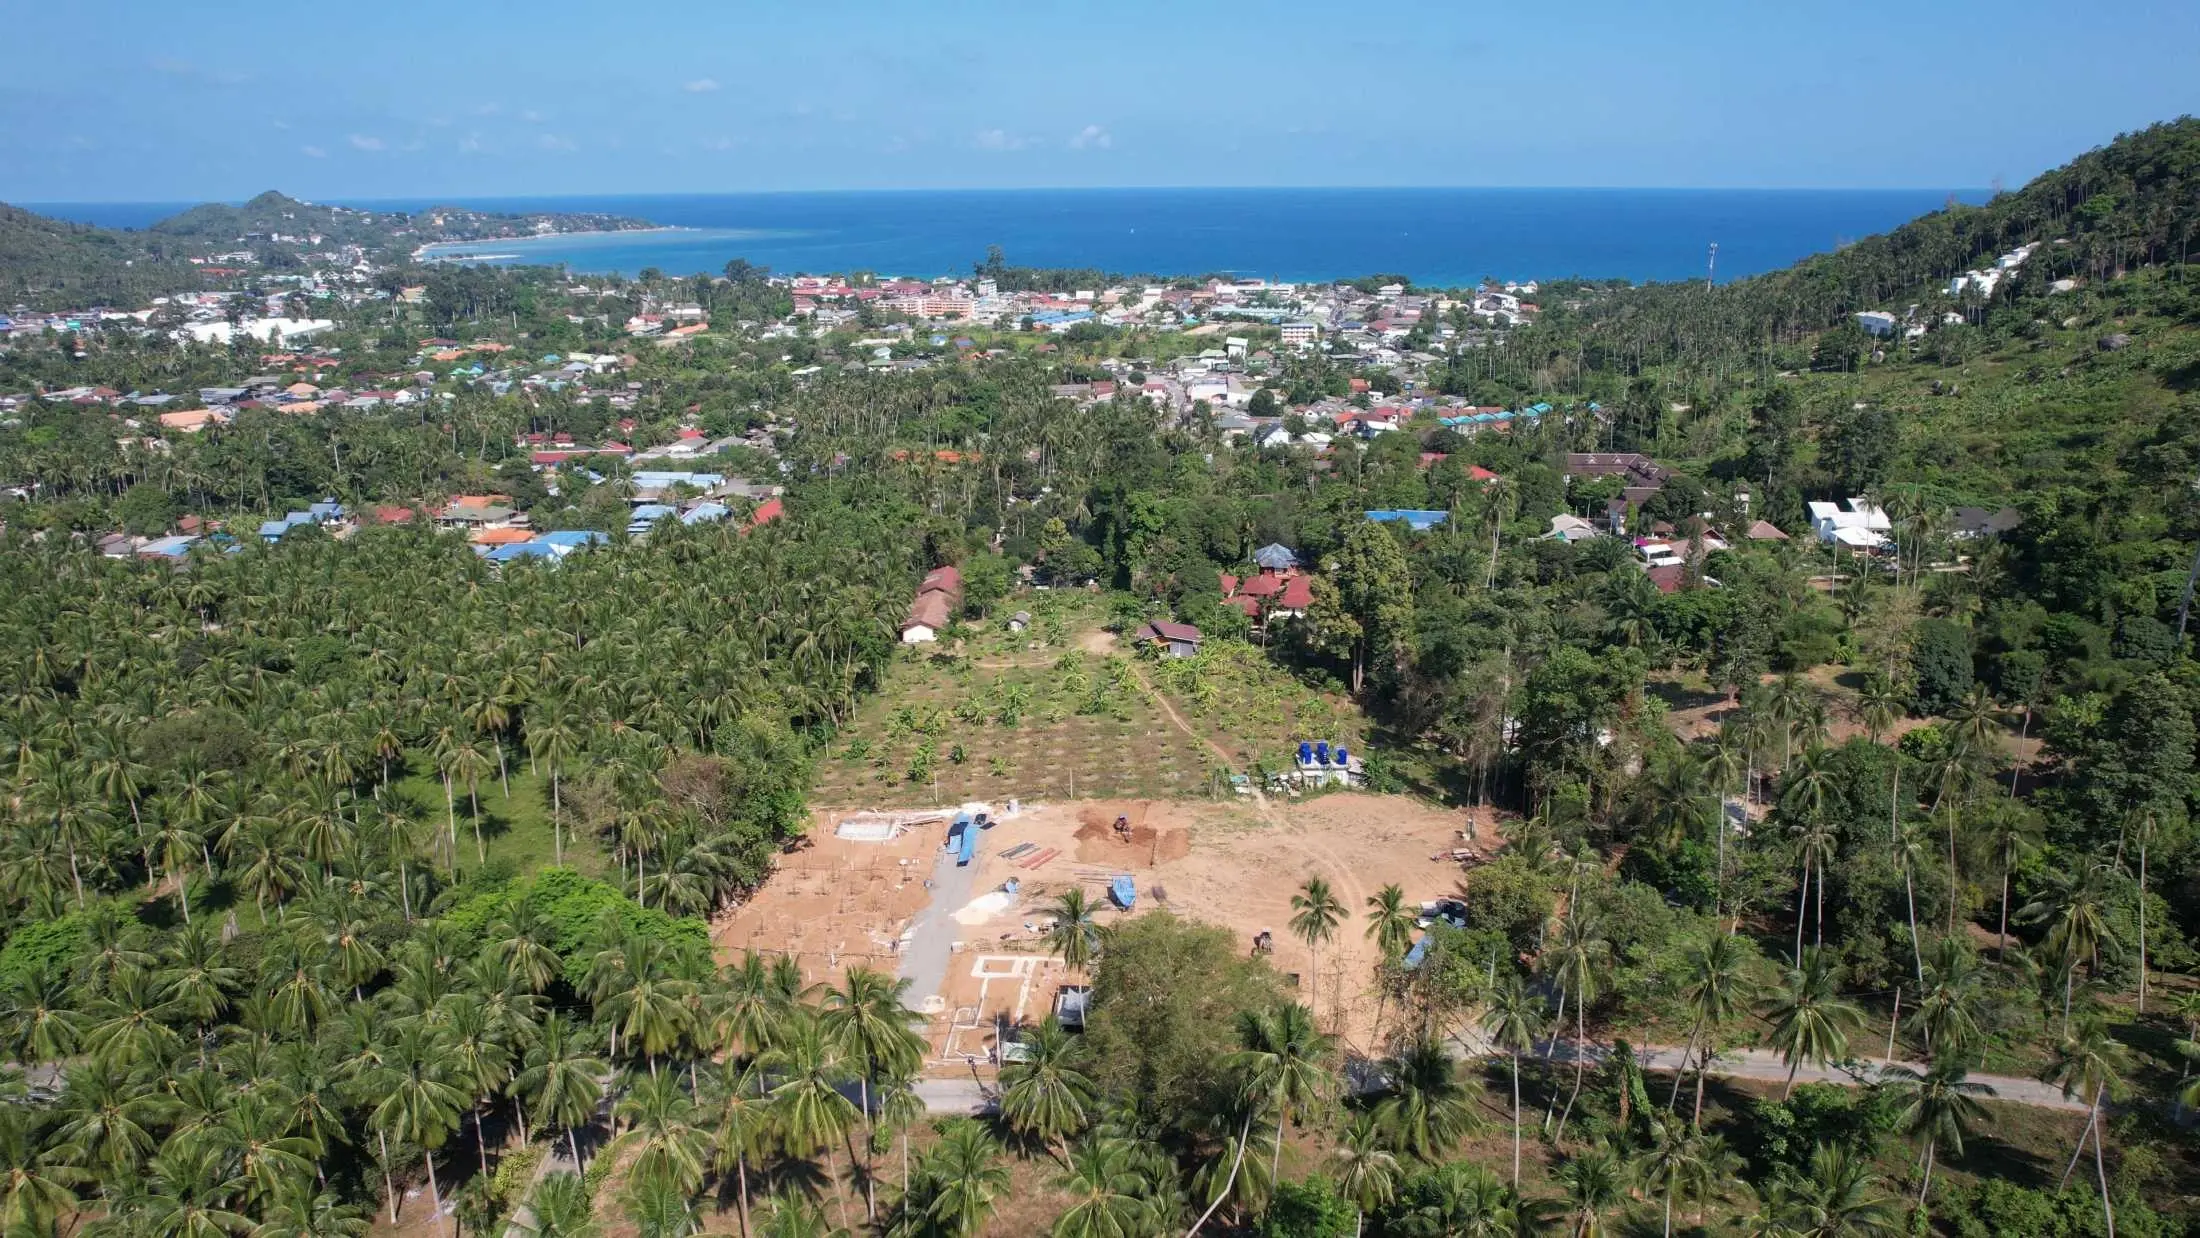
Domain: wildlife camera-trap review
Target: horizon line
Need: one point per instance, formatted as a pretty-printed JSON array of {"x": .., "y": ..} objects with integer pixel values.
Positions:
[{"x": 461, "y": 198}]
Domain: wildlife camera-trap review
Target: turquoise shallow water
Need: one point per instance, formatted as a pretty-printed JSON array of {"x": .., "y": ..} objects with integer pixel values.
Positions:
[{"x": 1435, "y": 236}]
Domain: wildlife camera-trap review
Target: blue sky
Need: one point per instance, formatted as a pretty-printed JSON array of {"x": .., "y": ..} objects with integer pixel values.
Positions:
[{"x": 112, "y": 101}]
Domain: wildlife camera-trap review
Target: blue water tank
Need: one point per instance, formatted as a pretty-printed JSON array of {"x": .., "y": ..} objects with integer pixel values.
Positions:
[
  {"x": 1341, "y": 755},
  {"x": 1321, "y": 751},
  {"x": 1306, "y": 753}
]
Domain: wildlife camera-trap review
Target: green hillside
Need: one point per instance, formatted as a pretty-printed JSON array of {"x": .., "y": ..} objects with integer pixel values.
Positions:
[{"x": 47, "y": 261}]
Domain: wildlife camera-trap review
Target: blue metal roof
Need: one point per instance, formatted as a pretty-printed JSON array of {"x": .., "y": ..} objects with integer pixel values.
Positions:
[
  {"x": 522, "y": 550},
  {"x": 574, "y": 538}
]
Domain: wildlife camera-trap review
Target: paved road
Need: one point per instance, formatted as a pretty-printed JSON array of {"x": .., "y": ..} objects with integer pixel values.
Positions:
[
  {"x": 966, "y": 1095},
  {"x": 1765, "y": 1066},
  {"x": 932, "y": 933}
]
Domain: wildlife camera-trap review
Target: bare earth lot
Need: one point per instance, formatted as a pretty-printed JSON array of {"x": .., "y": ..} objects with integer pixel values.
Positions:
[{"x": 1235, "y": 864}]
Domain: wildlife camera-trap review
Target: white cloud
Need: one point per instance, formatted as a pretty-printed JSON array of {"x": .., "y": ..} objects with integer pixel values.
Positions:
[
  {"x": 1092, "y": 136},
  {"x": 470, "y": 144},
  {"x": 531, "y": 116},
  {"x": 1001, "y": 139},
  {"x": 361, "y": 141},
  {"x": 723, "y": 144},
  {"x": 551, "y": 141},
  {"x": 701, "y": 86},
  {"x": 489, "y": 109},
  {"x": 314, "y": 151}
]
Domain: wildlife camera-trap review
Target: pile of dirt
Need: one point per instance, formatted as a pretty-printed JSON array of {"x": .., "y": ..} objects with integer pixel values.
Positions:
[{"x": 1144, "y": 844}]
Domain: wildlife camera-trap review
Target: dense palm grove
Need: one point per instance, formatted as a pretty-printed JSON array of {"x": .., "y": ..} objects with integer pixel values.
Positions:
[{"x": 271, "y": 967}]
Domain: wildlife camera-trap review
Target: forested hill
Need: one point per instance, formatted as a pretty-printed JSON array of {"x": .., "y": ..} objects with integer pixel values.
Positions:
[
  {"x": 55, "y": 264},
  {"x": 275, "y": 213},
  {"x": 2133, "y": 202},
  {"x": 52, "y": 261}
]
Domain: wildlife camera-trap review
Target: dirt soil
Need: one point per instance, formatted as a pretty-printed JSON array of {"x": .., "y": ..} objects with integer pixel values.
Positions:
[
  {"x": 1232, "y": 864},
  {"x": 836, "y": 902}
]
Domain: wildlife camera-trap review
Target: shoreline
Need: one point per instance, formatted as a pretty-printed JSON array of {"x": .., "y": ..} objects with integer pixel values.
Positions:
[{"x": 421, "y": 254}]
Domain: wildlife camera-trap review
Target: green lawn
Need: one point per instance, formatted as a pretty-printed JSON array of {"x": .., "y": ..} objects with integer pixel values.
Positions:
[{"x": 515, "y": 829}]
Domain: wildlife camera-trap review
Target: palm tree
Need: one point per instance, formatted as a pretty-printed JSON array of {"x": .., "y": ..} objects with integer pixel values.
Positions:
[
  {"x": 812, "y": 1112},
  {"x": 1283, "y": 1063},
  {"x": 1947, "y": 1007},
  {"x": 2075, "y": 909},
  {"x": 2009, "y": 835},
  {"x": 743, "y": 1119},
  {"x": 1575, "y": 960},
  {"x": 561, "y": 1081},
  {"x": 1046, "y": 1094},
  {"x": 552, "y": 739},
  {"x": 866, "y": 1017},
  {"x": 419, "y": 1103},
  {"x": 661, "y": 1126},
  {"x": 1426, "y": 1109},
  {"x": 1110, "y": 1197},
  {"x": 746, "y": 1010},
  {"x": 1810, "y": 1021},
  {"x": 1721, "y": 985},
  {"x": 562, "y": 1208},
  {"x": 2090, "y": 1063},
  {"x": 1672, "y": 1164},
  {"x": 1939, "y": 1109},
  {"x": 1837, "y": 1197},
  {"x": 34, "y": 1188},
  {"x": 1367, "y": 1172},
  {"x": 1390, "y": 922},
  {"x": 1595, "y": 1182},
  {"x": 1512, "y": 1021},
  {"x": 967, "y": 1179},
  {"x": 1315, "y": 914},
  {"x": 1074, "y": 937}
]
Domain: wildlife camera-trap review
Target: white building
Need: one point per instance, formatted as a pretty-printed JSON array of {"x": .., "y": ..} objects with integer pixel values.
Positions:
[{"x": 1861, "y": 526}]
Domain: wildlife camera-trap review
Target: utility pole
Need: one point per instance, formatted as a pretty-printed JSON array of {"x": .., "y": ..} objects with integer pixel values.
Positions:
[{"x": 1711, "y": 268}]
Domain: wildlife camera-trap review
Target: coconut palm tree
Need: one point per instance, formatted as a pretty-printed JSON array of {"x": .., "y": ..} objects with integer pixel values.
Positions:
[
  {"x": 1947, "y": 1009},
  {"x": 1283, "y": 1062},
  {"x": 2008, "y": 834},
  {"x": 420, "y": 1105},
  {"x": 967, "y": 1179},
  {"x": 2090, "y": 1063},
  {"x": 1810, "y": 1020},
  {"x": 1576, "y": 959},
  {"x": 1315, "y": 914},
  {"x": 1367, "y": 1172},
  {"x": 1046, "y": 1094},
  {"x": 562, "y": 1208},
  {"x": 1937, "y": 1111},
  {"x": 1721, "y": 984},
  {"x": 1426, "y": 1109},
  {"x": 1074, "y": 936},
  {"x": 1109, "y": 1195},
  {"x": 867, "y": 1018},
  {"x": 1595, "y": 1182},
  {"x": 1837, "y": 1196},
  {"x": 561, "y": 1080},
  {"x": 1513, "y": 1020},
  {"x": 2075, "y": 909},
  {"x": 739, "y": 1113},
  {"x": 35, "y": 1188},
  {"x": 1390, "y": 922},
  {"x": 812, "y": 1112}
]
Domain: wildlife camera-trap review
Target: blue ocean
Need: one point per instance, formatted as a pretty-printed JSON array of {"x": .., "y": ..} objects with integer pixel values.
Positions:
[{"x": 1433, "y": 236}]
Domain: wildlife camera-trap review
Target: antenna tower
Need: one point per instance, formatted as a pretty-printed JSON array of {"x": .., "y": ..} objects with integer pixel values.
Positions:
[{"x": 1711, "y": 268}]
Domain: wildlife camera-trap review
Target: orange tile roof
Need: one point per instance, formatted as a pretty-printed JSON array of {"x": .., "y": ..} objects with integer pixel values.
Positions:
[{"x": 501, "y": 537}]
